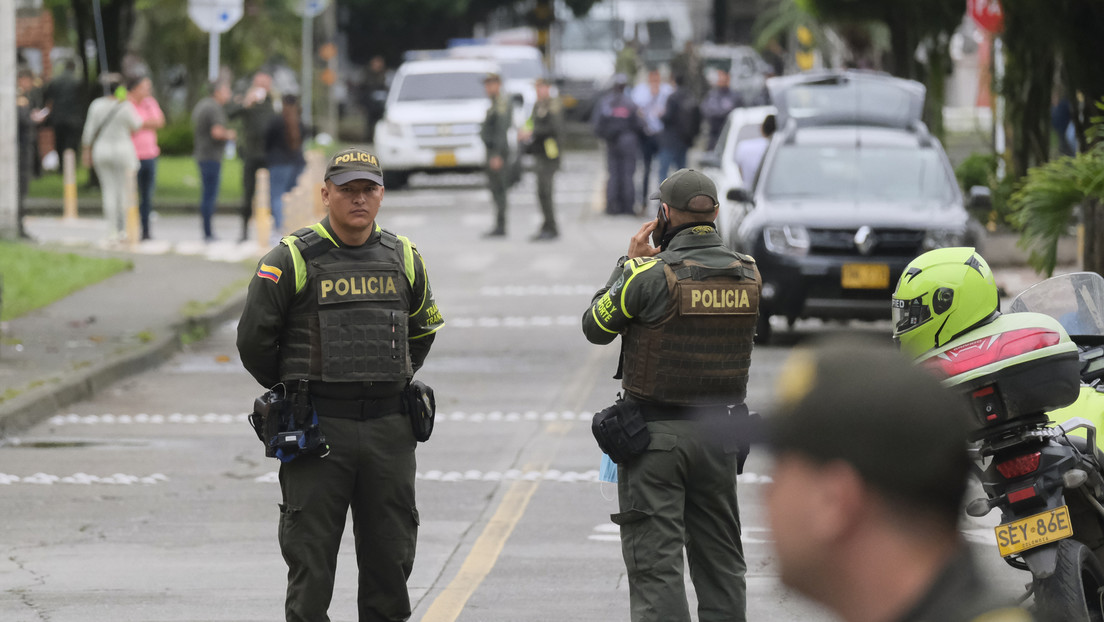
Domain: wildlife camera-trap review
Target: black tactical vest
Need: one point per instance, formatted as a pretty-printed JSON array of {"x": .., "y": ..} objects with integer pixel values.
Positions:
[
  {"x": 699, "y": 353},
  {"x": 349, "y": 322}
]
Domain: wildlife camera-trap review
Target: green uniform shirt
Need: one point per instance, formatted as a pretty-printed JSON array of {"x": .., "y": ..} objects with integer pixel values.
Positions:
[
  {"x": 638, "y": 291},
  {"x": 496, "y": 127},
  {"x": 254, "y": 120},
  {"x": 548, "y": 129},
  {"x": 274, "y": 287}
]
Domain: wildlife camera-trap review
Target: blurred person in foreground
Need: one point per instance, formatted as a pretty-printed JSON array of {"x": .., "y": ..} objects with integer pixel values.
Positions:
[
  {"x": 210, "y": 133},
  {"x": 255, "y": 110},
  {"x": 108, "y": 149},
  {"x": 544, "y": 134},
  {"x": 321, "y": 318},
  {"x": 283, "y": 145},
  {"x": 870, "y": 472},
  {"x": 496, "y": 138},
  {"x": 617, "y": 122},
  {"x": 685, "y": 309},
  {"x": 140, "y": 94}
]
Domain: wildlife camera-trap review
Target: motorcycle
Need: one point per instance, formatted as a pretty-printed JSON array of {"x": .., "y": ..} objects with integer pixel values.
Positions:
[{"x": 1033, "y": 379}]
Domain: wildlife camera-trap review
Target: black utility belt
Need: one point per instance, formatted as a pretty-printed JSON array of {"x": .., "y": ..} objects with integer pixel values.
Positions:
[
  {"x": 360, "y": 410},
  {"x": 652, "y": 411}
]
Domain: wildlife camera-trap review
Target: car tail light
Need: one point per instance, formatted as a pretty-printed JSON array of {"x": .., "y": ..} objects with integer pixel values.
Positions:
[
  {"x": 1019, "y": 466},
  {"x": 999, "y": 347}
]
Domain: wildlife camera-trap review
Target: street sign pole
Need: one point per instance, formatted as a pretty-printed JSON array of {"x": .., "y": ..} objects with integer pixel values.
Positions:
[
  {"x": 214, "y": 17},
  {"x": 213, "y": 57},
  {"x": 309, "y": 9}
]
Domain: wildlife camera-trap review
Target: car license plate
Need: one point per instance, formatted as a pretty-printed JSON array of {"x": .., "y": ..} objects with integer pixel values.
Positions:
[
  {"x": 1033, "y": 531},
  {"x": 444, "y": 158},
  {"x": 864, "y": 276}
]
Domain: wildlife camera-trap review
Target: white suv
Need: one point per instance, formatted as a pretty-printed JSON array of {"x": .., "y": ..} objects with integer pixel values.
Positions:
[{"x": 433, "y": 115}]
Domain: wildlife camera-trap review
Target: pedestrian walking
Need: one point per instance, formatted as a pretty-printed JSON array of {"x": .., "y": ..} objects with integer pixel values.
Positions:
[
  {"x": 749, "y": 153},
  {"x": 870, "y": 472},
  {"x": 255, "y": 111},
  {"x": 140, "y": 95},
  {"x": 650, "y": 98},
  {"x": 544, "y": 135},
  {"x": 210, "y": 131},
  {"x": 715, "y": 106},
  {"x": 686, "y": 310},
  {"x": 617, "y": 122},
  {"x": 108, "y": 148},
  {"x": 325, "y": 329},
  {"x": 495, "y": 134},
  {"x": 65, "y": 100},
  {"x": 681, "y": 124},
  {"x": 284, "y": 156}
]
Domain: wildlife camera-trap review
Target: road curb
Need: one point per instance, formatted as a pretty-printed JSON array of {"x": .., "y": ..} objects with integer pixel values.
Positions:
[{"x": 34, "y": 406}]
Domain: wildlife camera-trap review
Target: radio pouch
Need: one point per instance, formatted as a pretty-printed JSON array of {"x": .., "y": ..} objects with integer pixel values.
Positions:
[
  {"x": 267, "y": 416},
  {"x": 421, "y": 407},
  {"x": 621, "y": 432}
]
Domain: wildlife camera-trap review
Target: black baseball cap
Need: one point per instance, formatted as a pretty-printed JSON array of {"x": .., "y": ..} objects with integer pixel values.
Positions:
[
  {"x": 683, "y": 185},
  {"x": 353, "y": 163},
  {"x": 862, "y": 402}
]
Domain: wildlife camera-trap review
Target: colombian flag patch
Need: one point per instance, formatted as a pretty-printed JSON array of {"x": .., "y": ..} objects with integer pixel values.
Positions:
[{"x": 271, "y": 273}]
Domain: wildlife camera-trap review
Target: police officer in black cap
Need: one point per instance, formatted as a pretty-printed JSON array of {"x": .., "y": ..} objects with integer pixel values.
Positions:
[
  {"x": 341, "y": 312},
  {"x": 686, "y": 311}
]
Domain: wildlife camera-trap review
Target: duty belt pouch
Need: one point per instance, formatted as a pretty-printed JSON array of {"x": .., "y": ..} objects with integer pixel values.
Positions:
[
  {"x": 420, "y": 405},
  {"x": 268, "y": 415},
  {"x": 621, "y": 432}
]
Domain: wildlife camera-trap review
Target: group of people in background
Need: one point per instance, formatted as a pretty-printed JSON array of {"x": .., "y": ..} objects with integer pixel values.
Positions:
[
  {"x": 116, "y": 137},
  {"x": 658, "y": 120}
]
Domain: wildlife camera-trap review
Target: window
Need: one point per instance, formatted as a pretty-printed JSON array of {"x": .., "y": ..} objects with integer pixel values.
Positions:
[{"x": 441, "y": 86}]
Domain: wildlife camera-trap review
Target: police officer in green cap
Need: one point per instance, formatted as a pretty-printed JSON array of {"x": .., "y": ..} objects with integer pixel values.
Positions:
[
  {"x": 495, "y": 133},
  {"x": 686, "y": 310},
  {"x": 342, "y": 312}
]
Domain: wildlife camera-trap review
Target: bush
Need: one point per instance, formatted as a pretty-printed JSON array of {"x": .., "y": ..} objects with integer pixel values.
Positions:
[
  {"x": 980, "y": 169},
  {"x": 177, "y": 138}
]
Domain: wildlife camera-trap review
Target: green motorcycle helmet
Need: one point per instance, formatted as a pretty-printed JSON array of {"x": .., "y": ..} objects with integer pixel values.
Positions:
[{"x": 941, "y": 295}]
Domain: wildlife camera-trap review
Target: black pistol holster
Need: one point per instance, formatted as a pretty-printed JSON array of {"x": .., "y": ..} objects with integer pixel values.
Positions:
[
  {"x": 421, "y": 406},
  {"x": 621, "y": 431}
]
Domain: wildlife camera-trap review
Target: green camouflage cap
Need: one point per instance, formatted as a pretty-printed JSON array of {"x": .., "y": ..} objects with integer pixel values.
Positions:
[
  {"x": 683, "y": 185},
  {"x": 862, "y": 402},
  {"x": 353, "y": 163}
]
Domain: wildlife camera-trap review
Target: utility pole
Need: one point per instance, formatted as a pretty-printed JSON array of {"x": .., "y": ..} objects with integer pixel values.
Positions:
[{"x": 9, "y": 139}]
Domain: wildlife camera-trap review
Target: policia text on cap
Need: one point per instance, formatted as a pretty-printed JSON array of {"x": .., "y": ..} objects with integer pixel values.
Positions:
[
  {"x": 686, "y": 312},
  {"x": 342, "y": 315}
]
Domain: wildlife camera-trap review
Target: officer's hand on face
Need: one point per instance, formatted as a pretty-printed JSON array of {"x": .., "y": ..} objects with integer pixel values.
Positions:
[{"x": 639, "y": 246}]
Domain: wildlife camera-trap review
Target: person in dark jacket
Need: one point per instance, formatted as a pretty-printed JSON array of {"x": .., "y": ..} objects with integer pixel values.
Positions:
[
  {"x": 254, "y": 109},
  {"x": 718, "y": 102},
  {"x": 617, "y": 122},
  {"x": 283, "y": 147},
  {"x": 495, "y": 133},
  {"x": 681, "y": 122}
]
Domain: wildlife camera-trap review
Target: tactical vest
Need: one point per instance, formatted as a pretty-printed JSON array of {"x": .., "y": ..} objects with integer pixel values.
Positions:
[
  {"x": 349, "y": 319},
  {"x": 699, "y": 352}
]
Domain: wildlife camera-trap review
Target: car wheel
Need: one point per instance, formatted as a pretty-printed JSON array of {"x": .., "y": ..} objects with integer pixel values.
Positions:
[{"x": 395, "y": 180}]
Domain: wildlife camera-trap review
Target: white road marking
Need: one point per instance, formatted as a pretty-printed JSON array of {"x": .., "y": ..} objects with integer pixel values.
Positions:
[
  {"x": 472, "y": 475},
  {"x": 46, "y": 479}
]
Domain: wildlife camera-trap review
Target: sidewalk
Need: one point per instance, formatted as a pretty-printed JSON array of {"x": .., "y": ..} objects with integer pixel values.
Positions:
[{"x": 130, "y": 322}]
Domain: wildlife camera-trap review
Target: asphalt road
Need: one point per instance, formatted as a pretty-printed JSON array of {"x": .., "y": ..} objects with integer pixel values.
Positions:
[{"x": 153, "y": 501}]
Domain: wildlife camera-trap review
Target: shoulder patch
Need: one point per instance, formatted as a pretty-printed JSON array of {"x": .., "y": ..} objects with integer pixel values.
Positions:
[
  {"x": 640, "y": 261},
  {"x": 271, "y": 273}
]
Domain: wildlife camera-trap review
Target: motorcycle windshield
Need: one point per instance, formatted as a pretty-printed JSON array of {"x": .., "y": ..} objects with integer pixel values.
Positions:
[{"x": 1076, "y": 300}]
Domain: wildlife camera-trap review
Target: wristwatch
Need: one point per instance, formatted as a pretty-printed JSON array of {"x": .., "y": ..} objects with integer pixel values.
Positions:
[{"x": 622, "y": 260}]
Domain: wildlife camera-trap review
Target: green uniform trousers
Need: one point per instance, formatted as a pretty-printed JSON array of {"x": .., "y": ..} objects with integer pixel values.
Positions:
[
  {"x": 370, "y": 468},
  {"x": 498, "y": 181},
  {"x": 546, "y": 172},
  {"x": 679, "y": 493}
]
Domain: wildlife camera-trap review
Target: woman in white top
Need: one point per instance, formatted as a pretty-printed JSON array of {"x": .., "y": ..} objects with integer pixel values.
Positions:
[{"x": 106, "y": 139}]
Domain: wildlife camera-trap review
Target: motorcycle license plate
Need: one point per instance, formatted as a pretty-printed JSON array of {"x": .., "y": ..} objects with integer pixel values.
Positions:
[
  {"x": 1028, "y": 533},
  {"x": 444, "y": 158},
  {"x": 864, "y": 276}
]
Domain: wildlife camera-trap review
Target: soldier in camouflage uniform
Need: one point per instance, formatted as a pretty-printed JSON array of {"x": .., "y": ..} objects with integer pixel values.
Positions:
[
  {"x": 495, "y": 133},
  {"x": 346, "y": 306},
  {"x": 686, "y": 313}
]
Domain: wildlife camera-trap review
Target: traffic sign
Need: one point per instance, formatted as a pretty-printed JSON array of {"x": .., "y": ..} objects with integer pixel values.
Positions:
[
  {"x": 310, "y": 8},
  {"x": 215, "y": 16},
  {"x": 987, "y": 14}
]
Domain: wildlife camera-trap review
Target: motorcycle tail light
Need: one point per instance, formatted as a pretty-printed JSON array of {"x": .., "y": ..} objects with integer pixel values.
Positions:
[
  {"x": 1022, "y": 494},
  {"x": 982, "y": 352},
  {"x": 1019, "y": 466}
]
